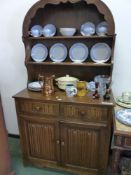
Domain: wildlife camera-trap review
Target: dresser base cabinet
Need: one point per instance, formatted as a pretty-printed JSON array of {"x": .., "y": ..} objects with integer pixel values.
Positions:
[{"x": 66, "y": 136}]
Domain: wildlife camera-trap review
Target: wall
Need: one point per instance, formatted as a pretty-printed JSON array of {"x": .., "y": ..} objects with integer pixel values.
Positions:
[{"x": 13, "y": 74}]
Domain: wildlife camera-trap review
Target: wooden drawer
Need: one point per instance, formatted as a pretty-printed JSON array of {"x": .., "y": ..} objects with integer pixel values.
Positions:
[
  {"x": 127, "y": 142},
  {"x": 84, "y": 112},
  {"x": 35, "y": 107}
]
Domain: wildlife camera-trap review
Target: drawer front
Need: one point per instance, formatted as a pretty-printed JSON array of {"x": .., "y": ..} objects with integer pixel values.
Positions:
[
  {"x": 84, "y": 112},
  {"x": 118, "y": 140},
  {"x": 127, "y": 143},
  {"x": 34, "y": 107}
]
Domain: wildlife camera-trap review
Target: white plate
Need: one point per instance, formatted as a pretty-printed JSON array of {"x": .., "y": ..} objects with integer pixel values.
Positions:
[
  {"x": 124, "y": 116},
  {"x": 102, "y": 28},
  {"x": 78, "y": 52},
  {"x": 58, "y": 52},
  {"x": 49, "y": 30},
  {"x": 100, "y": 53},
  {"x": 39, "y": 52},
  {"x": 35, "y": 86},
  {"x": 87, "y": 29}
]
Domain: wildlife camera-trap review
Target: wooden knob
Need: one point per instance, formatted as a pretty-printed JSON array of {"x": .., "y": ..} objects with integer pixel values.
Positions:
[
  {"x": 37, "y": 108},
  {"x": 57, "y": 142},
  {"x": 62, "y": 143},
  {"x": 82, "y": 113}
]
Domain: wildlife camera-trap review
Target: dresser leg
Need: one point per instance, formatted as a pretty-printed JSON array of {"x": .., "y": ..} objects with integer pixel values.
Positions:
[{"x": 115, "y": 162}]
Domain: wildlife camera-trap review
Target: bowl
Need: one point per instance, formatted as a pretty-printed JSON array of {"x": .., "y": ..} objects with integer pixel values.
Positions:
[
  {"x": 49, "y": 30},
  {"x": 62, "y": 82},
  {"x": 67, "y": 31}
]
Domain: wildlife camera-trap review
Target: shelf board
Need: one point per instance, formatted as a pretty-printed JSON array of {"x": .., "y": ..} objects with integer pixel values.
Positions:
[
  {"x": 72, "y": 37},
  {"x": 90, "y": 64}
]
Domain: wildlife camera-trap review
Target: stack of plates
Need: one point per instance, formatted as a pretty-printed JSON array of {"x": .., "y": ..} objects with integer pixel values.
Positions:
[
  {"x": 124, "y": 116},
  {"x": 35, "y": 86},
  {"x": 121, "y": 102}
]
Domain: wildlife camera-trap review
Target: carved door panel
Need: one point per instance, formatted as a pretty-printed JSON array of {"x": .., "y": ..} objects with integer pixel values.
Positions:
[
  {"x": 40, "y": 138},
  {"x": 84, "y": 146}
]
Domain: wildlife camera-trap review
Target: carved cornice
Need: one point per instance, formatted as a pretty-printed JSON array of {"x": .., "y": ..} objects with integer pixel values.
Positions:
[{"x": 102, "y": 8}]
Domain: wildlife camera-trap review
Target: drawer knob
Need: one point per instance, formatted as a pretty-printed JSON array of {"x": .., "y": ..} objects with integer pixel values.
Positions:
[
  {"x": 37, "y": 108},
  {"x": 62, "y": 143},
  {"x": 82, "y": 113},
  {"x": 57, "y": 142}
]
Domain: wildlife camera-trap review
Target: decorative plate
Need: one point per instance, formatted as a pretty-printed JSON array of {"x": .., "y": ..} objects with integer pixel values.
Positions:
[
  {"x": 78, "y": 52},
  {"x": 58, "y": 52},
  {"x": 36, "y": 31},
  {"x": 87, "y": 29},
  {"x": 102, "y": 28},
  {"x": 39, "y": 52},
  {"x": 100, "y": 53},
  {"x": 49, "y": 30},
  {"x": 124, "y": 116},
  {"x": 117, "y": 100},
  {"x": 123, "y": 101}
]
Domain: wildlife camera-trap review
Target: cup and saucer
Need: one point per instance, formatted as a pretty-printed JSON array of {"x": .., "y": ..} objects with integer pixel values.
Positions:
[{"x": 124, "y": 100}]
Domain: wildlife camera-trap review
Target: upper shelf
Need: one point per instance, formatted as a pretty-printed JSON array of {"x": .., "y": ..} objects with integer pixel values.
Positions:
[
  {"x": 68, "y": 13},
  {"x": 72, "y": 37}
]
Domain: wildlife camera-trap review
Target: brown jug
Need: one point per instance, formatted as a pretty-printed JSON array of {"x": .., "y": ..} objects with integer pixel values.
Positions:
[{"x": 46, "y": 84}]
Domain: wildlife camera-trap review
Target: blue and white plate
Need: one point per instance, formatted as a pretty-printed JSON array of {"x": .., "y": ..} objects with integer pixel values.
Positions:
[
  {"x": 36, "y": 31},
  {"x": 49, "y": 30},
  {"x": 58, "y": 52},
  {"x": 39, "y": 52},
  {"x": 100, "y": 53},
  {"x": 124, "y": 116},
  {"x": 102, "y": 28},
  {"x": 87, "y": 29},
  {"x": 78, "y": 53}
]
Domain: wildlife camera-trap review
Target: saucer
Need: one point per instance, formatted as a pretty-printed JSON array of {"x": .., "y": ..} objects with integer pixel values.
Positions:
[{"x": 125, "y": 105}]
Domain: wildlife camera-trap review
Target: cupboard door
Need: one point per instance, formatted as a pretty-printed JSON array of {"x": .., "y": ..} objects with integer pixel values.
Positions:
[
  {"x": 40, "y": 138},
  {"x": 84, "y": 146}
]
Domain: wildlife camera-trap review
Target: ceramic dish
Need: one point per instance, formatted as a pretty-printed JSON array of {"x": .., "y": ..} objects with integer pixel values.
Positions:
[
  {"x": 58, "y": 52},
  {"x": 87, "y": 29},
  {"x": 124, "y": 116},
  {"x": 35, "y": 86},
  {"x": 49, "y": 30},
  {"x": 102, "y": 28},
  {"x": 117, "y": 100},
  {"x": 100, "y": 53},
  {"x": 36, "y": 31},
  {"x": 123, "y": 101},
  {"x": 63, "y": 81},
  {"x": 67, "y": 31},
  {"x": 78, "y": 52},
  {"x": 39, "y": 52}
]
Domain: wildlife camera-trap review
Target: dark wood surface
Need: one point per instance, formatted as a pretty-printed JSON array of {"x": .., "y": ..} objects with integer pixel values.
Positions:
[{"x": 71, "y": 134}]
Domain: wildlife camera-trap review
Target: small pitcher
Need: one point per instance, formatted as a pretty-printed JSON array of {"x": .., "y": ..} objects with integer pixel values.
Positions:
[{"x": 47, "y": 84}]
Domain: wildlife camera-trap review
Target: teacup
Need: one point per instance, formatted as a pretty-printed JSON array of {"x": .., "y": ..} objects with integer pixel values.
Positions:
[
  {"x": 71, "y": 90},
  {"x": 126, "y": 96}
]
